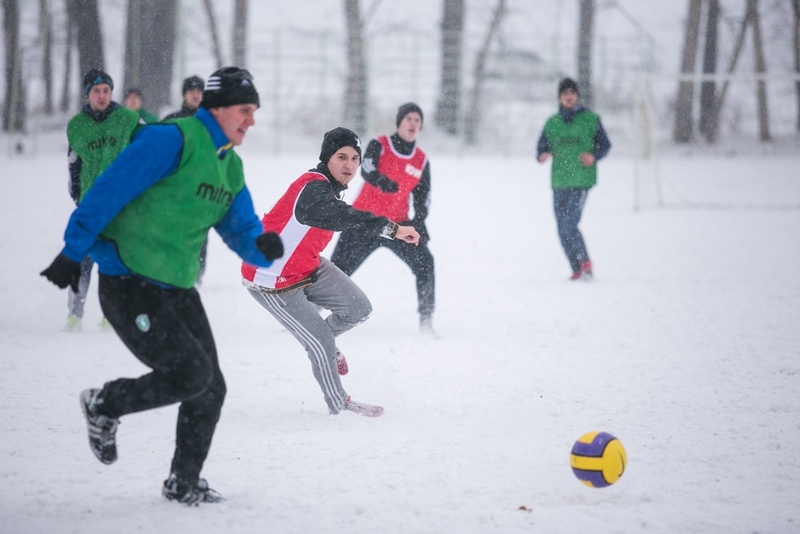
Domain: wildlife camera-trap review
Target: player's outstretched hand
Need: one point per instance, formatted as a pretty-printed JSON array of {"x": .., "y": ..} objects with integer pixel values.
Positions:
[
  {"x": 407, "y": 234},
  {"x": 63, "y": 272}
]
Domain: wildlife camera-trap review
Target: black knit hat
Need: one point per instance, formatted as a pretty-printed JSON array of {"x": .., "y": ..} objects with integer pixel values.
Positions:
[
  {"x": 407, "y": 108},
  {"x": 568, "y": 84},
  {"x": 229, "y": 86},
  {"x": 96, "y": 77},
  {"x": 193, "y": 82},
  {"x": 336, "y": 139},
  {"x": 134, "y": 91}
]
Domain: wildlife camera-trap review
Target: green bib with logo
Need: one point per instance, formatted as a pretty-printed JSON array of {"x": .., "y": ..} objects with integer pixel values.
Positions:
[
  {"x": 99, "y": 143},
  {"x": 567, "y": 142},
  {"x": 159, "y": 234}
]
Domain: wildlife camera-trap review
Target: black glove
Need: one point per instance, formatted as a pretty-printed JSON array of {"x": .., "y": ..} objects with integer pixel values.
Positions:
[
  {"x": 385, "y": 184},
  {"x": 270, "y": 245},
  {"x": 63, "y": 272}
]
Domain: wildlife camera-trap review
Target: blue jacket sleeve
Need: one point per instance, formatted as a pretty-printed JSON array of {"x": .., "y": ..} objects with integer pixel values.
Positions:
[
  {"x": 601, "y": 142},
  {"x": 154, "y": 153},
  {"x": 240, "y": 227}
]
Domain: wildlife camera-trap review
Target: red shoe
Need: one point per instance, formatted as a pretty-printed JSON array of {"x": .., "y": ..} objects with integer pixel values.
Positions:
[
  {"x": 585, "y": 272},
  {"x": 361, "y": 408},
  {"x": 341, "y": 363}
]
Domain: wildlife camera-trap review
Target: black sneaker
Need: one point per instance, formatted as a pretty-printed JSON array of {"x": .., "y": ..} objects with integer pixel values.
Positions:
[
  {"x": 191, "y": 494},
  {"x": 102, "y": 429}
]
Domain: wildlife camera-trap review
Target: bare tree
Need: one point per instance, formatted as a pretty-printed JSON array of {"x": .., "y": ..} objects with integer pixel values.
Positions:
[
  {"x": 46, "y": 39},
  {"x": 761, "y": 70},
  {"x": 683, "y": 106},
  {"x": 14, "y": 110},
  {"x": 796, "y": 41},
  {"x": 150, "y": 67},
  {"x": 708, "y": 105},
  {"x": 448, "y": 107},
  {"x": 70, "y": 30},
  {"x": 212, "y": 23},
  {"x": 240, "y": 32},
  {"x": 86, "y": 18},
  {"x": 585, "y": 39},
  {"x": 472, "y": 118},
  {"x": 355, "y": 95}
]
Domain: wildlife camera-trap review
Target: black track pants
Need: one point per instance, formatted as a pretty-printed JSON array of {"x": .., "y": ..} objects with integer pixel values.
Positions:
[
  {"x": 167, "y": 330},
  {"x": 353, "y": 248}
]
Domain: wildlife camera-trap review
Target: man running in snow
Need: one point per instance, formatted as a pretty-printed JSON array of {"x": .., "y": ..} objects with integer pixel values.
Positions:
[
  {"x": 396, "y": 173},
  {"x": 143, "y": 222},
  {"x": 96, "y": 137},
  {"x": 293, "y": 288},
  {"x": 576, "y": 139}
]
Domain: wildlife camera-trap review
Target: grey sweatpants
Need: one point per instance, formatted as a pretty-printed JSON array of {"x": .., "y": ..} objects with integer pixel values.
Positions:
[{"x": 298, "y": 311}]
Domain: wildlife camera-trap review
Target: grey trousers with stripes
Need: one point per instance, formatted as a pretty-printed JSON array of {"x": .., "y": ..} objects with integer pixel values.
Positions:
[{"x": 298, "y": 311}]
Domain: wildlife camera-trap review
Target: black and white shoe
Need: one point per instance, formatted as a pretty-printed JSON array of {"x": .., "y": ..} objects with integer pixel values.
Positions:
[
  {"x": 102, "y": 429},
  {"x": 188, "y": 493}
]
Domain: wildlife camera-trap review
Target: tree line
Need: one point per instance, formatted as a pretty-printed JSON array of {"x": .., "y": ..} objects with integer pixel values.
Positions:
[{"x": 457, "y": 110}]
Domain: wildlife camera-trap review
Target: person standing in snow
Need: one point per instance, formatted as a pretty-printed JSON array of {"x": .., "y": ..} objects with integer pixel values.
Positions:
[
  {"x": 292, "y": 288},
  {"x": 134, "y": 99},
  {"x": 576, "y": 140},
  {"x": 96, "y": 137},
  {"x": 144, "y": 221},
  {"x": 193, "y": 87},
  {"x": 192, "y": 95},
  {"x": 396, "y": 173}
]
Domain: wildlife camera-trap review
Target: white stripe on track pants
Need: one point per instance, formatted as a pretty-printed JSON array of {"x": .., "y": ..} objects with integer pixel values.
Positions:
[{"x": 297, "y": 311}]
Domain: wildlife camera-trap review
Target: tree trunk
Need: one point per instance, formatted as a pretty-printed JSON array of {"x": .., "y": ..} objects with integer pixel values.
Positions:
[
  {"x": 70, "y": 31},
  {"x": 708, "y": 89},
  {"x": 796, "y": 41},
  {"x": 133, "y": 44},
  {"x": 90, "y": 38},
  {"x": 212, "y": 23},
  {"x": 761, "y": 70},
  {"x": 240, "y": 33},
  {"x": 14, "y": 110},
  {"x": 448, "y": 107},
  {"x": 46, "y": 36},
  {"x": 585, "y": 39},
  {"x": 737, "y": 50},
  {"x": 150, "y": 67},
  {"x": 683, "y": 106},
  {"x": 355, "y": 97},
  {"x": 473, "y": 117}
]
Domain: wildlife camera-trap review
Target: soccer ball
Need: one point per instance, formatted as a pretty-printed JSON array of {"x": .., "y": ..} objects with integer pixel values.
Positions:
[{"x": 598, "y": 459}]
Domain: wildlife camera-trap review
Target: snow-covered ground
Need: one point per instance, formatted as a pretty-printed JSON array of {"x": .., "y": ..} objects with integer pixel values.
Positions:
[{"x": 686, "y": 346}]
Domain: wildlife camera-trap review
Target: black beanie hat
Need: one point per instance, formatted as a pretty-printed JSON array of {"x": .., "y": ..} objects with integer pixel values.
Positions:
[
  {"x": 336, "y": 139},
  {"x": 407, "y": 108},
  {"x": 568, "y": 84},
  {"x": 134, "y": 91},
  {"x": 193, "y": 82},
  {"x": 96, "y": 77},
  {"x": 229, "y": 86}
]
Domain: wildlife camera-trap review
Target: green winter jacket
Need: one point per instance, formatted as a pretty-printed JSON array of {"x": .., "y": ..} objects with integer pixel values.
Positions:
[{"x": 195, "y": 197}]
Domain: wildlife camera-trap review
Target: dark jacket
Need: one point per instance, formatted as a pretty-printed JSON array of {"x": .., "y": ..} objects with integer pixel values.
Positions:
[{"x": 185, "y": 111}]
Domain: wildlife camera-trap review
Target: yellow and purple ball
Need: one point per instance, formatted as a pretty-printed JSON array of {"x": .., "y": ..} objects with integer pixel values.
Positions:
[{"x": 598, "y": 459}]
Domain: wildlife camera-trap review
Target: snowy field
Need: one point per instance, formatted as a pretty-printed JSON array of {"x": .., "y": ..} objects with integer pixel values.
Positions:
[{"x": 686, "y": 346}]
